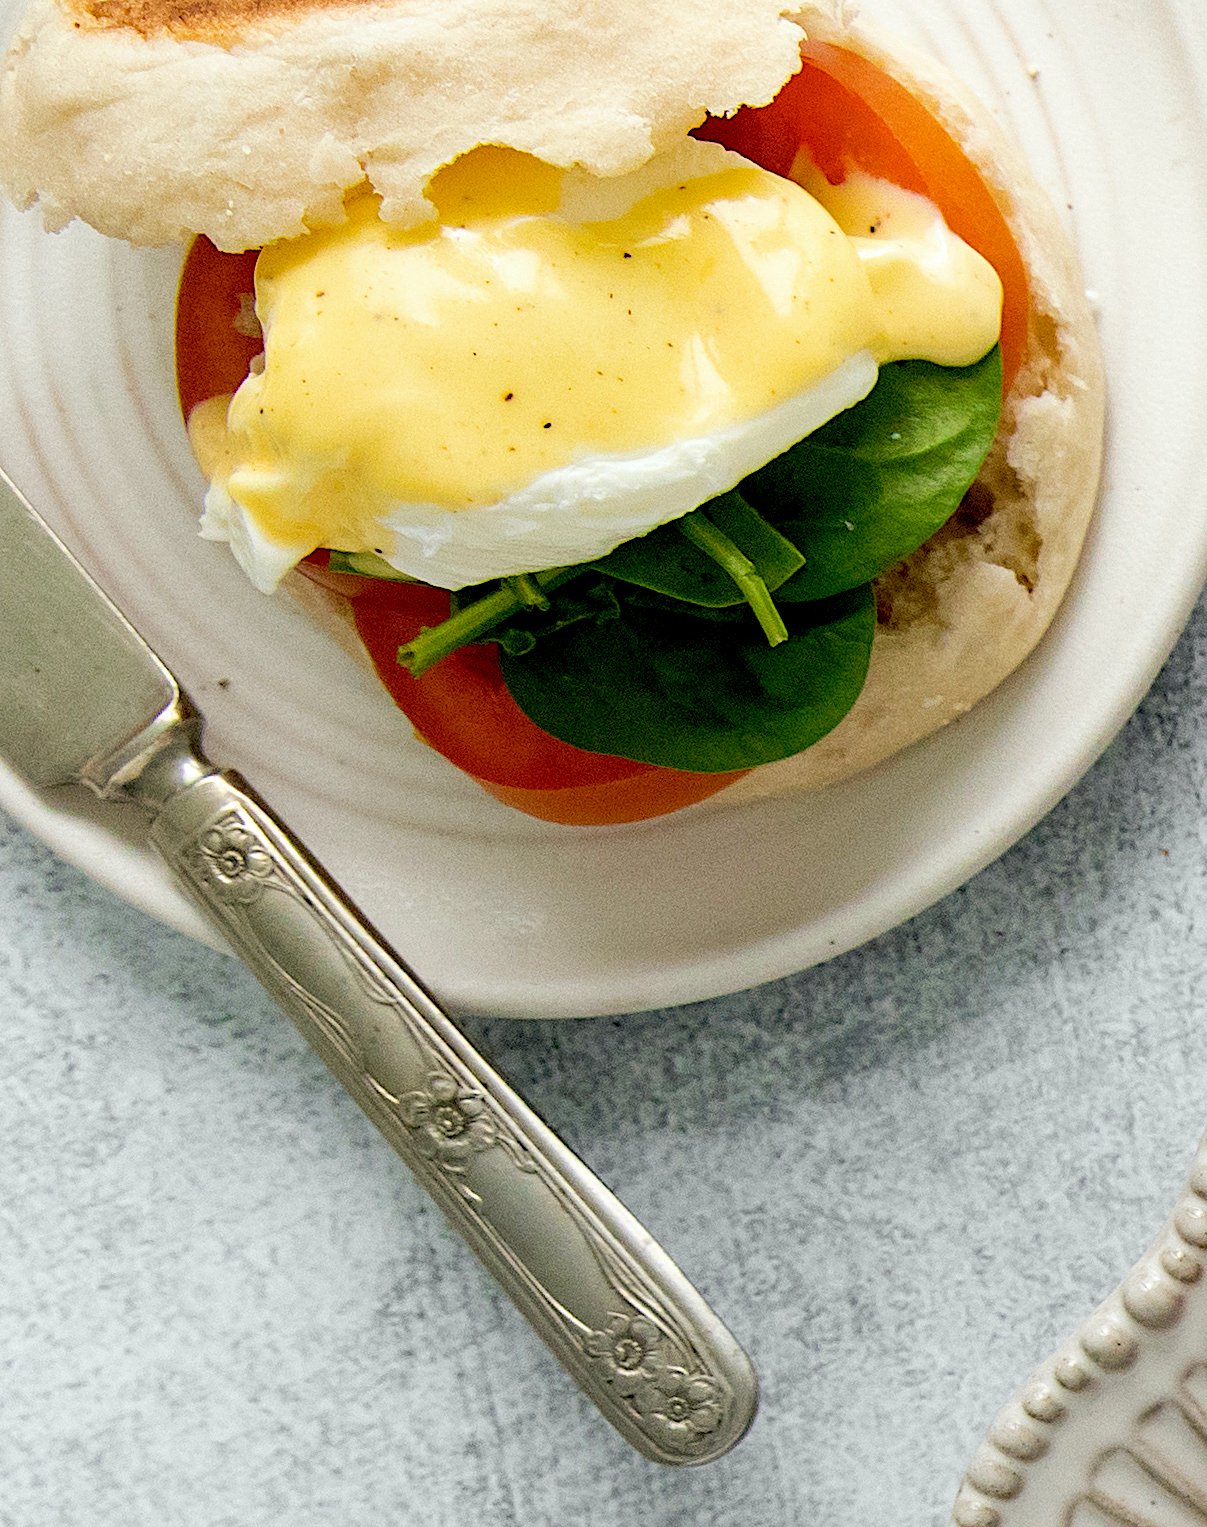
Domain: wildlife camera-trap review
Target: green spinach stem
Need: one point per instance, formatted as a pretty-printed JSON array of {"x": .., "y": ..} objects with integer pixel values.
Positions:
[
  {"x": 528, "y": 591},
  {"x": 704, "y": 534},
  {"x": 472, "y": 621}
]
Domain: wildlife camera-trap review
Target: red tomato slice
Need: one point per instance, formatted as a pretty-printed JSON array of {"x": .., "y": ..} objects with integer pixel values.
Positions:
[
  {"x": 213, "y": 352},
  {"x": 463, "y": 709},
  {"x": 848, "y": 112}
]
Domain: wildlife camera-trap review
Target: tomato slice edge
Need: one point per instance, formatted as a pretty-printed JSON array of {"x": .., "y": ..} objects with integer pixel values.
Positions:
[{"x": 462, "y": 708}]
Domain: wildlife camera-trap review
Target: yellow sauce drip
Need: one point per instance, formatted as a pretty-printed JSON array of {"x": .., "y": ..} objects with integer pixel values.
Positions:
[{"x": 938, "y": 300}]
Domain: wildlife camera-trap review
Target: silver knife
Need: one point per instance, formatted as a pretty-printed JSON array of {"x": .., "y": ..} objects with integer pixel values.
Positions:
[{"x": 83, "y": 698}]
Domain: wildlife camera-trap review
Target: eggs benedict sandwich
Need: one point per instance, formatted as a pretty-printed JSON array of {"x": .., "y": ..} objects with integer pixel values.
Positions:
[{"x": 667, "y": 401}]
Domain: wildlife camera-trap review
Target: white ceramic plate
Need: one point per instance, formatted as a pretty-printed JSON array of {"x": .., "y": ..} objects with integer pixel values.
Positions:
[{"x": 511, "y": 916}]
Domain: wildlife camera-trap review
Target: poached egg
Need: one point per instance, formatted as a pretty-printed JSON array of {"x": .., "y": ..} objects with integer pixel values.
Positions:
[{"x": 555, "y": 364}]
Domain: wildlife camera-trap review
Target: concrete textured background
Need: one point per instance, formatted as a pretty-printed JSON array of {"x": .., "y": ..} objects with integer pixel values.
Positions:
[{"x": 902, "y": 1178}]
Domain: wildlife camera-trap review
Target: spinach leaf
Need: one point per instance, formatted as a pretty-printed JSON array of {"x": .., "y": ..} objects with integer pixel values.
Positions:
[
  {"x": 667, "y": 562},
  {"x": 699, "y": 694},
  {"x": 590, "y": 600},
  {"x": 366, "y": 564},
  {"x": 876, "y": 481}
]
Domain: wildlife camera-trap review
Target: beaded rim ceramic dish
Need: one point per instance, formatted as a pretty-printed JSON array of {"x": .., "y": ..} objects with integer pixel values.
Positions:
[{"x": 1112, "y": 1430}]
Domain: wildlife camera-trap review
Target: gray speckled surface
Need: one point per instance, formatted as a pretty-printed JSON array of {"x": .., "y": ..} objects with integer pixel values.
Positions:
[{"x": 902, "y": 1177}]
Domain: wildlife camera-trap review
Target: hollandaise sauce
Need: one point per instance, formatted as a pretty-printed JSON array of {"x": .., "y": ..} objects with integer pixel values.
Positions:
[{"x": 586, "y": 358}]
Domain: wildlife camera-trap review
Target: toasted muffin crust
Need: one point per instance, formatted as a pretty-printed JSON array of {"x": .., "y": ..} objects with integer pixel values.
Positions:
[
  {"x": 249, "y": 120},
  {"x": 222, "y": 22}
]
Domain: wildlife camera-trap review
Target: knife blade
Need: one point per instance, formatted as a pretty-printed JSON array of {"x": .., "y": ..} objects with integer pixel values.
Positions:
[
  {"x": 79, "y": 683},
  {"x": 84, "y": 698}
]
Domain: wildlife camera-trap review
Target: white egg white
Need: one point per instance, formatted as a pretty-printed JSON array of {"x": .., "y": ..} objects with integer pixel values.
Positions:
[
  {"x": 582, "y": 511},
  {"x": 575, "y": 513}
]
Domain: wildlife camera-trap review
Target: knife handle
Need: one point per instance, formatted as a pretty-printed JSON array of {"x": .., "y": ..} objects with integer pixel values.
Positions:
[{"x": 629, "y": 1327}]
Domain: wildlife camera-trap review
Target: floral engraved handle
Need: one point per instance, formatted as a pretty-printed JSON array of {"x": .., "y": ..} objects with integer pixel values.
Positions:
[{"x": 626, "y": 1323}]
